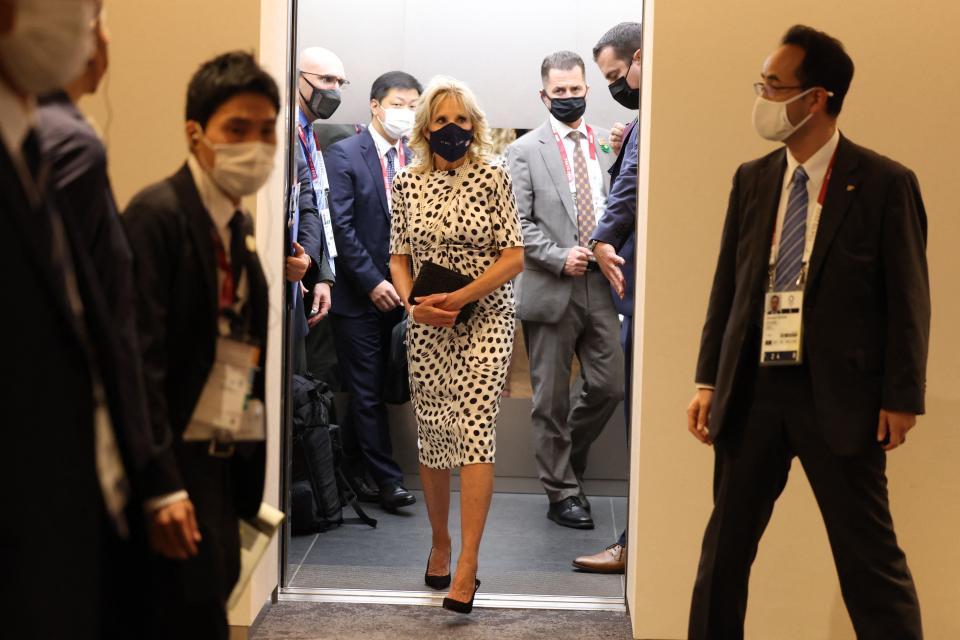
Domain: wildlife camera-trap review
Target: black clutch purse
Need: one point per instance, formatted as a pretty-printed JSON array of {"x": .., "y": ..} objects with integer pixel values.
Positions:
[{"x": 436, "y": 279}]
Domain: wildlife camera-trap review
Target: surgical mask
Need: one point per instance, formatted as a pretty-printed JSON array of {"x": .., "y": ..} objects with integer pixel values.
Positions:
[
  {"x": 49, "y": 45},
  {"x": 240, "y": 168},
  {"x": 770, "y": 118},
  {"x": 322, "y": 103},
  {"x": 623, "y": 93},
  {"x": 568, "y": 110},
  {"x": 451, "y": 142},
  {"x": 397, "y": 122}
]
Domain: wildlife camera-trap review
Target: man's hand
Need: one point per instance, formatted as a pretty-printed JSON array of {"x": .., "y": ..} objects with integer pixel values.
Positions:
[
  {"x": 610, "y": 264},
  {"x": 616, "y": 136},
  {"x": 297, "y": 264},
  {"x": 385, "y": 297},
  {"x": 698, "y": 415},
  {"x": 174, "y": 532},
  {"x": 429, "y": 310},
  {"x": 321, "y": 303},
  {"x": 577, "y": 260},
  {"x": 893, "y": 428}
]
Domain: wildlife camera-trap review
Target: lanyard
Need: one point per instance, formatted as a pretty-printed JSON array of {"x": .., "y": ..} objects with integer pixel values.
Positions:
[
  {"x": 402, "y": 157},
  {"x": 306, "y": 151},
  {"x": 813, "y": 222},
  {"x": 563, "y": 151}
]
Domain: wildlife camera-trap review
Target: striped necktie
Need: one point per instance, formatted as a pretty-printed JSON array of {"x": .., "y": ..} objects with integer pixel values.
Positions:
[{"x": 794, "y": 234}]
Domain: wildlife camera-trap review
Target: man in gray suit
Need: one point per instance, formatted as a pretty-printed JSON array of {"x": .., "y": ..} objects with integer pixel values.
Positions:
[{"x": 560, "y": 180}]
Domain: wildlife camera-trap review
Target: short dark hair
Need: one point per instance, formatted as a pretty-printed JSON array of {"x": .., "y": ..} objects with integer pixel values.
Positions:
[
  {"x": 825, "y": 63},
  {"x": 223, "y": 77},
  {"x": 563, "y": 61},
  {"x": 393, "y": 80},
  {"x": 625, "y": 38}
]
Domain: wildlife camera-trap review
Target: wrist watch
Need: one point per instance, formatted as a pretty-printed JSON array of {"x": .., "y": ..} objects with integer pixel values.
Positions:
[{"x": 592, "y": 244}]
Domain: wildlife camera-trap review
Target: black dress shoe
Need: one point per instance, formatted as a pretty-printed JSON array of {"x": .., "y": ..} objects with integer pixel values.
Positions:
[
  {"x": 461, "y": 607},
  {"x": 569, "y": 513},
  {"x": 435, "y": 582},
  {"x": 393, "y": 496},
  {"x": 365, "y": 492}
]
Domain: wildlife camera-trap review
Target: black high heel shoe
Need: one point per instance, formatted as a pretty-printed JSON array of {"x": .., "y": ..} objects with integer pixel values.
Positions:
[
  {"x": 435, "y": 582},
  {"x": 461, "y": 607}
]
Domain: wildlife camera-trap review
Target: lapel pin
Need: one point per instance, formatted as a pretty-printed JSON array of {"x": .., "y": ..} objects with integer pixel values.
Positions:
[
  {"x": 851, "y": 187},
  {"x": 251, "y": 244},
  {"x": 603, "y": 145}
]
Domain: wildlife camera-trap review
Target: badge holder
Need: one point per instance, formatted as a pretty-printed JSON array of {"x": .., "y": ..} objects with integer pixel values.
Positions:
[{"x": 782, "y": 342}]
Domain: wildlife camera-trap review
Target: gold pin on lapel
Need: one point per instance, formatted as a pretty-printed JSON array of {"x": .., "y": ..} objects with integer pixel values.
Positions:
[
  {"x": 851, "y": 187},
  {"x": 251, "y": 244}
]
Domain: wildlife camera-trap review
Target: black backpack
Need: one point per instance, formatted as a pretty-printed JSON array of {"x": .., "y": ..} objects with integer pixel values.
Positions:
[{"x": 319, "y": 487}]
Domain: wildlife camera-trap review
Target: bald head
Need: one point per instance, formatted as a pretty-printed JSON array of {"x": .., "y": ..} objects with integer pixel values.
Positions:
[{"x": 321, "y": 62}]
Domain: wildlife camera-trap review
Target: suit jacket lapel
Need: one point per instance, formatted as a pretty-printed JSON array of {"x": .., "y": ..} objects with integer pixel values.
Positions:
[
  {"x": 835, "y": 205},
  {"x": 372, "y": 159},
  {"x": 554, "y": 164},
  {"x": 769, "y": 186},
  {"x": 200, "y": 229}
]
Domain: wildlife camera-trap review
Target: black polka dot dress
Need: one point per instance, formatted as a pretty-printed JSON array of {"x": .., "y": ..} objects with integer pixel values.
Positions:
[{"x": 457, "y": 374}]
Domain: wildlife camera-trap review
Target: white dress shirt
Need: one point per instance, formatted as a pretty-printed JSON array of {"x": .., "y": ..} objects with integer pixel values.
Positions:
[
  {"x": 593, "y": 165},
  {"x": 383, "y": 146}
]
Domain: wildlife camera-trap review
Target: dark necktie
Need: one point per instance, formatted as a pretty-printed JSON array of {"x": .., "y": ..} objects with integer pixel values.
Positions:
[
  {"x": 31, "y": 155},
  {"x": 391, "y": 166},
  {"x": 586, "y": 221},
  {"x": 238, "y": 248},
  {"x": 793, "y": 236}
]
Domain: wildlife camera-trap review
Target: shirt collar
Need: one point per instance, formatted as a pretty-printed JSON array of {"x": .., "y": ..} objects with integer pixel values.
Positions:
[
  {"x": 383, "y": 145},
  {"x": 563, "y": 129},
  {"x": 215, "y": 201},
  {"x": 16, "y": 119},
  {"x": 817, "y": 164}
]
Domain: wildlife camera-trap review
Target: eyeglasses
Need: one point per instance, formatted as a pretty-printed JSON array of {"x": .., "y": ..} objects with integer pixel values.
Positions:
[
  {"x": 765, "y": 88},
  {"x": 328, "y": 79}
]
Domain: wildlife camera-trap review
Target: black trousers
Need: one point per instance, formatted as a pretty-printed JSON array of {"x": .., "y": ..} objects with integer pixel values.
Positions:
[
  {"x": 363, "y": 349},
  {"x": 753, "y": 458}
]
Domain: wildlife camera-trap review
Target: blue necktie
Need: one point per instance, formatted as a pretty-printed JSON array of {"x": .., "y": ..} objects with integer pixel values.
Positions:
[
  {"x": 391, "y": 167},
  {"x": 794, "y": 234}
]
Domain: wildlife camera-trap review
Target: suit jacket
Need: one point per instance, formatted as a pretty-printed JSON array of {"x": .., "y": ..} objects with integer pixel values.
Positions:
[
  {"x": 48, "y": 406},
  {"x": 311, "y": 238},
  {"x": 618, "y": 227},
  {"x": 361, "y": 222},
  {"x": 79, "y": 174},
  {"x": 548, "y": 214},
  {"x": 867, "y": 298},
  {"x": 171, "y": 235}
]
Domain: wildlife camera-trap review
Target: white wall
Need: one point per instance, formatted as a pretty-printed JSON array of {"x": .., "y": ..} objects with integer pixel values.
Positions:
[
  {"x": 903, "y": 102},
  {"x": 496, "y": 46}
]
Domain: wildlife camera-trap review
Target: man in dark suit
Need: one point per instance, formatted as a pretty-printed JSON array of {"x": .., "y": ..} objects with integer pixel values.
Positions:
[
  {"x": 71, "y": 427},
  {"x": 78, "y": 162},
  {"x": 618, "y": 55},
  {"x": 366, "y": 307},
  {"x": 843, "y": 229},
  {"x": 202, "y": 291},
  {"x": 308, "y": 270},
  {"x": 561, "y": 182}
]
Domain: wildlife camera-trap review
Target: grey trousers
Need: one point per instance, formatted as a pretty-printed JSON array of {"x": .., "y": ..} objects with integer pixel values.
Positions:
[{"x": 564, "y": 427}]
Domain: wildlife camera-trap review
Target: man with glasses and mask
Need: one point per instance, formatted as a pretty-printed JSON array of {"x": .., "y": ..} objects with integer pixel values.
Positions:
[
  {"x": 618, "y": 55},
  {"x": 835, "y": 376},
  {"x": 202, "y": 320},
  {"x": 365, "y": 305},
  {"x": 560, "y": 179}
]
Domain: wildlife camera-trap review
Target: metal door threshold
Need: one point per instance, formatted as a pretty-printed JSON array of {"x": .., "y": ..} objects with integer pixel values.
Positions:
[{"x": 435, "y": 599}]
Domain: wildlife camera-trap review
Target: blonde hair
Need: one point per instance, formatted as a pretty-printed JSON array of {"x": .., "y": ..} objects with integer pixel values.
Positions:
[{"x": 441, "y": 87}]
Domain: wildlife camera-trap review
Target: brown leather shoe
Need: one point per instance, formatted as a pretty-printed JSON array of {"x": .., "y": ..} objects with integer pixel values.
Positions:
[{"x": 613, "y": 559}]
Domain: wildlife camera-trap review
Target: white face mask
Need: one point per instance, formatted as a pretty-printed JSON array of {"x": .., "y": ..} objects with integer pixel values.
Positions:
[
  {"x": 49, "y": 45},
  {"x": 398, "y": 122},
  {"x": 770, "y": 118},
  {"x": 241, "y": 168}
]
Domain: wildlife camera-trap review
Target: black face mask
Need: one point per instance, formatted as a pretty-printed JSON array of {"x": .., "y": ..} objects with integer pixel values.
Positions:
[
  {"x": 624, "y": 94},
  {"x": 451, "y": 142},
  {"x": 568, "y": 110},
  {"x": 322, "y": 103}
]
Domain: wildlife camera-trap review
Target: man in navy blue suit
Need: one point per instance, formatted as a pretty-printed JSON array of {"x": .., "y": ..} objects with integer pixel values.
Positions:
[
  {"x": 618, "y": 54},
  {"x": 365, "y": 305}
]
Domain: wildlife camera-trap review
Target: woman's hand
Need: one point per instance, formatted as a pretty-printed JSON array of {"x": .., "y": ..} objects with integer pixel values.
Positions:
[
  {"x": 453, "y": 301},
  {"x": 428, "y": 310}
]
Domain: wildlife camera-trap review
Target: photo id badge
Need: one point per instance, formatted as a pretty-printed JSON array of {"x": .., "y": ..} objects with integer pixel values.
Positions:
[
  {"x": 328, "y": 231},
  {"x": 782, "y": 342}
]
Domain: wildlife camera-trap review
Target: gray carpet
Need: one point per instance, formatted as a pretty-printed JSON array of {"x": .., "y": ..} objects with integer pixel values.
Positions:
[
  {"x": 316, "y": 621},
  {"x": 522, "y": 552}
]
